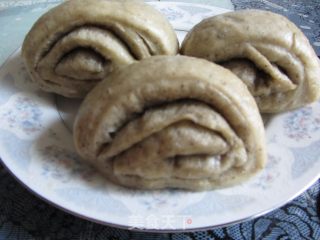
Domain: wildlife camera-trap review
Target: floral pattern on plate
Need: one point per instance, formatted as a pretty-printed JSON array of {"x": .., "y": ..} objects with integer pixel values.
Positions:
[
  {"x": 154, "y": 202},
  {"x": 63, "y": 165},
  {"x": 183, "y": 16},
  {"x": 269, "y": 176},
  {"x": 299, "y": 128},
  {"x": 301, "y": 125},
  {"x": 21, "y": 115},
  {"x": 174, "y": 13}
]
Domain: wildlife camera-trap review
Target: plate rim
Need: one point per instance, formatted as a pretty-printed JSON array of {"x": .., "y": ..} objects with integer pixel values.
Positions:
[
  {"x": 151, "y": 230},
  {"x": 131, "y": 228},
  {"x": 135, "y": 229}
]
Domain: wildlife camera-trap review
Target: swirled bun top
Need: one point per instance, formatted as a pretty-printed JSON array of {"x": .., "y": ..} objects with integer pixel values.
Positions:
[
  {"x": 171, "y": 121},
  {"x": 74, "y": 45},
  {"x": 266, "y": 50}
]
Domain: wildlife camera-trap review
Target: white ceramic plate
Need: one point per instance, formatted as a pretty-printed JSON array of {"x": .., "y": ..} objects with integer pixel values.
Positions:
[{"x": 36, "y": 146}]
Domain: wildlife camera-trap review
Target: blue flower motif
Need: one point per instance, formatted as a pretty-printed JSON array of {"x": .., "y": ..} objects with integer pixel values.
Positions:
[
  {"x": 64, "y": 165},
  {"x": 172, "y": 14},
  {"x": 301, "y": 123},
  {"x": 270, "y": 174},
  {"x": 157, "y": 201},
  {"x": 24, "y": 114}
]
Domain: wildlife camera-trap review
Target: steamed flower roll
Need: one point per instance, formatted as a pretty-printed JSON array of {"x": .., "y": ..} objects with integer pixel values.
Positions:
[
  {"x": 266, "y": 51},
  {"x": 171, "y": 122},
  {"x": 78, "y": 43}
]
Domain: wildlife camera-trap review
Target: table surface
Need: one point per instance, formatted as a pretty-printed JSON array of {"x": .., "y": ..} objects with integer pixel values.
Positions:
[{"x": 24, "y": 216}]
